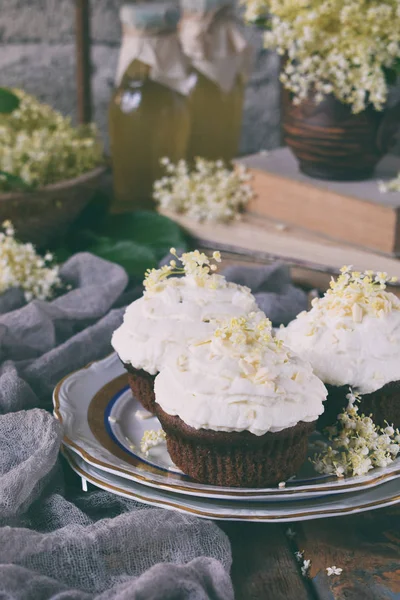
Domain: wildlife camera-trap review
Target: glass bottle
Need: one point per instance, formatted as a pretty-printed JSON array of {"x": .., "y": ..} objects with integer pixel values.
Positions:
[
  {"x": 219, "y": 56},
  {"x": 149, "y": 115}
]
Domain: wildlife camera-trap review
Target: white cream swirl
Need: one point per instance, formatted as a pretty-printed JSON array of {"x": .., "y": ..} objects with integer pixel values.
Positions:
[
  {"x": 351, "y": 336},
  {"x": 364, "y": 355},
  {"x": 210, "y": 386},
  {"x": 159, "y": 324}
]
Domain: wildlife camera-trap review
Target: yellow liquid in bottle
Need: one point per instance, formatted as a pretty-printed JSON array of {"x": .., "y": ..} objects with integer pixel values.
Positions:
[
  {"x": 216, "y": 120},
  {"x": 147, "y": 121}
]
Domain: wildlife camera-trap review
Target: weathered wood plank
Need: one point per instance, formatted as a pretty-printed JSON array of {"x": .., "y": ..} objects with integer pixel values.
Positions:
[
  {"x": 264, "y": 567},
  {"x": 365, "y": 546},
  {"x": 83, "y": 66}
]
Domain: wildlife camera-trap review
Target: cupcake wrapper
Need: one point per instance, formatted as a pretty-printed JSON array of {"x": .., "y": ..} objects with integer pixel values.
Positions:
[
  {"x": 235, "y": 459},
  {"x": 383, "y": 405},
  {"x": 142, "y": 386}
]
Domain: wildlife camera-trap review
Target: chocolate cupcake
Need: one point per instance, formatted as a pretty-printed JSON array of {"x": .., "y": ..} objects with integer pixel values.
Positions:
[
  {"x": 179, "y": 305},
  {"x": 351, "y": 337},
  {"x": 142, "y": 386},
  {"x": 238, "y": 407}
]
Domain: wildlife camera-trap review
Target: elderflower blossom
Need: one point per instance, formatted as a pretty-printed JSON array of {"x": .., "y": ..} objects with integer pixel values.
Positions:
[
  {"x": 357, "y": 294},
  {"x": 249, "y": 338},
  {"x": 196, "y": 265},
  {"x": 390, "y": 186},
  {"x": 333, "y": 571},
  {"x": 151, "y": 439},
  {"x": 210, "y": 192},
  {"x": 22, "y": 267},
  {"x": 256, "y": 10},
  {"x": 357, "y": 445},
  {"x": 290, "y": 533},
  {"x": 349, "y": 48},
  {"x": 305, "y": 568},
  {"x": 39, "y": 145}
]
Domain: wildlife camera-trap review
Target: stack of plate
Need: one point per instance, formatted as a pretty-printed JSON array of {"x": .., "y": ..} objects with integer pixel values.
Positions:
[{"x": 103, "y": 428}]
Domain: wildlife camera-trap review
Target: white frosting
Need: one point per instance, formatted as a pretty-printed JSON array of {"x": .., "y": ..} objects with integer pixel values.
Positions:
[
  {"x": 363, "y": 355},
  {"x": 359, "y": 350},
  {"x": 159, "y": 324},
  {"x": 211, "y": 386}
]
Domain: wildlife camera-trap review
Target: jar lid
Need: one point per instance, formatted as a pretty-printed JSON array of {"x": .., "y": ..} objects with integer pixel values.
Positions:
[
  {"x": 204, "y": 6},
  {"x": 153, "y": 17}
]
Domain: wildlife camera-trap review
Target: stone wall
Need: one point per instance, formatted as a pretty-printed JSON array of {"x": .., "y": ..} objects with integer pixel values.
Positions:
[{"x": 37, "y": 53}]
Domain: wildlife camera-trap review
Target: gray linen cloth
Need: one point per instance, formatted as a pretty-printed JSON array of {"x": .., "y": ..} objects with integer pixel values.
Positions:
[
  {"x": 57, "y": 542},
  {"x": 272, "y": 288}
]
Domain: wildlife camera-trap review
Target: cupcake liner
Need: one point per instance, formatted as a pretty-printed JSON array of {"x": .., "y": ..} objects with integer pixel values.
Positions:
[
  {"x": 142, "y": 386},
  {"x": 383, "y": 405},
  {"x": 235, "y": 459}
]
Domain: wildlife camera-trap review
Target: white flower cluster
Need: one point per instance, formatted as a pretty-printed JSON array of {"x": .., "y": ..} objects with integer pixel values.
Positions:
[
  {"x": 252, "y": 331},
  {"x": 390, "y": 186},
  {"x": 290, "y": 533},
  {"x": 195, "y": 265},
  {"x": 21, "y": 266},
  {"x": 210, "y": 192},
  {"x": 356, "y": 294},
  {"x": 40, "y": 146},
  {"x": 305, "y": 563},
  {"x": 344, "y": 47},
  {"x": 333, "y": 571},
  {"x": 357, "y": 444},
  {"x": 249, "y": 338},
  {"x": 255, "y": 10}
]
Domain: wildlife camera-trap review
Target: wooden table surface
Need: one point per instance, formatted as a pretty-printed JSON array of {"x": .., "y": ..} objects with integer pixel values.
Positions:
[{"x": 365, "y": 546}]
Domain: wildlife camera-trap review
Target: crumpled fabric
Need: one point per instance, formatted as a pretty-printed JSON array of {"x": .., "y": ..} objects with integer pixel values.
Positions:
[
  {"x": 57, "y": 542},
  {"x": 273, "y": 290},
  {"x": 271, "y": 286}
]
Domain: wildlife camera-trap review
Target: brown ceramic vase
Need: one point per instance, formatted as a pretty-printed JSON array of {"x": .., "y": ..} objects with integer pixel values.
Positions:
[{"x": 330, "y": 142}]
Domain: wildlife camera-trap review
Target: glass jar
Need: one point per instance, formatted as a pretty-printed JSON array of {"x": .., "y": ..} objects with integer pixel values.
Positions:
[
  {"x": 149, "y": 115},
  {"x": 219, "y": 57},
  {"x": 216, "y": 120}
]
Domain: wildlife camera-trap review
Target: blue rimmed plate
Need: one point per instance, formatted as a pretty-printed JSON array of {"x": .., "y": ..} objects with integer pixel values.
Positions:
[
  {"x": 101, "y": 425},
  {"x": 305, "y": 509}
]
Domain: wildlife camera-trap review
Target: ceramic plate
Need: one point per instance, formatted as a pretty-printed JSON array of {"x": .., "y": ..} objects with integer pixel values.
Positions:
[
  {"x": 101, "y": 425},
  {"x": 381, "y": 496}
]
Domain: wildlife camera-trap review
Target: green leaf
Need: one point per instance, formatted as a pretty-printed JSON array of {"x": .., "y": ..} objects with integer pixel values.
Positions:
[
  {"x": 14, "y": 182},
  {"x": 392, "y": 73},
  {"x": 95, "y": 212},
  {"x": 135, "y": 258},
  {"x": 137, "y": 241},
  {"x": 61, "y": 254},
  {"x": 8, "y": 101},
  {"x": 263, "y": 23},
  {"x": 396, "y": 66},
  {"x": 146, "y": 228}
]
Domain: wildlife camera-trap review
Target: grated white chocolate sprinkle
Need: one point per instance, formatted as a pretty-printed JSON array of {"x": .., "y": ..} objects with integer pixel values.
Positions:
[
  {"x": 151, "y": 439},
  {"x": 143, "y": 415}
]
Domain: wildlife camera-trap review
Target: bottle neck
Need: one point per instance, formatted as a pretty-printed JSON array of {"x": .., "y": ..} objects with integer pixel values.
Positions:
[
  {"x": 137, "y": 70},
  {"x": 135, "y": 42}
]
